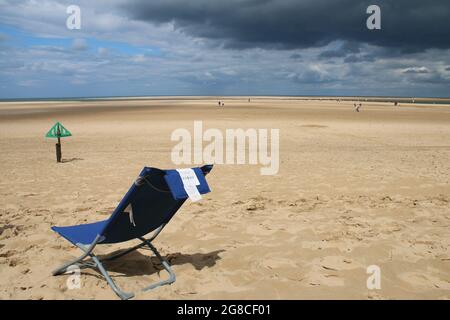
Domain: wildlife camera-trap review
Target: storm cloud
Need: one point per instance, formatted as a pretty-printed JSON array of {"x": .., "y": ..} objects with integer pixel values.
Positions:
[
  {"x": 412, "y": 25},
  {"x": 234, "y": 47}
]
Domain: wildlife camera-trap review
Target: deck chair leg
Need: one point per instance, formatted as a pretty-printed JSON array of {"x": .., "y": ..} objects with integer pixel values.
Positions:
[
  {"x": 87, "y": 252},
  {"x": 122, "y": 295},
  {"x": 166, "y": 266},
  {"x": 65, "y": 266},
  {"x": 77, "y": 261}
]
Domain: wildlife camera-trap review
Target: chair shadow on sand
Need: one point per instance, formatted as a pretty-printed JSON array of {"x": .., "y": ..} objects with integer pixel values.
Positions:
[{"x": 139, "y": 264}]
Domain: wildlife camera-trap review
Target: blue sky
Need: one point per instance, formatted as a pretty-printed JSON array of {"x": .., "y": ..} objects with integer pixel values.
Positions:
[
  {"x": 132, "y": 48},
  {"x": 25, "y": 39}
]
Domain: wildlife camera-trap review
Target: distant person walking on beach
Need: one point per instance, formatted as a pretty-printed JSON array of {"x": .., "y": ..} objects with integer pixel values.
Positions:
[{"x": 357, "y": 107}]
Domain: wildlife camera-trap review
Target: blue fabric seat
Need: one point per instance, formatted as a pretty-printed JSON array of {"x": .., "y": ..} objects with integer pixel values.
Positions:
[{"x": 83, "y": 233}]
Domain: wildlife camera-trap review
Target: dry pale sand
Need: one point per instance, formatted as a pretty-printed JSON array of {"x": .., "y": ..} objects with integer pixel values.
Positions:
[{"x": 353, "y": 190}]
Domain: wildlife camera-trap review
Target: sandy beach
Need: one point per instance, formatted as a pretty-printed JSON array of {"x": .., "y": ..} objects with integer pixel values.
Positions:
[{"x": 353, "y": 190}]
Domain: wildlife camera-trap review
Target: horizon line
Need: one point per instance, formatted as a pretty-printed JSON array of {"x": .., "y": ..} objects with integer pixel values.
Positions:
[{"x": 131, "y": 97}]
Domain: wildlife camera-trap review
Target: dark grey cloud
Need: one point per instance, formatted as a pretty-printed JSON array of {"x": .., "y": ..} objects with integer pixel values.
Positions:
[
  {"x": 412, "y": 25},
  {"x": 327, "y": 54},
  {"x": 295, "y": 56},
  {"x": 429, "y": 78},
  {"x": 354, "y": 58}
]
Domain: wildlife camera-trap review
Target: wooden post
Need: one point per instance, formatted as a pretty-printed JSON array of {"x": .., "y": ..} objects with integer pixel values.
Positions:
[{"x": 58, "y": 147}]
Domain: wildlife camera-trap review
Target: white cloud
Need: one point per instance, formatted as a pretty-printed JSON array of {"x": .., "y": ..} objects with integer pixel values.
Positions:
[
  {"x": 416, "y": 70},
  {"x": 79, "y": 44},
  {"x": 139, "y": 58},
  {"x": 102, "y": 51}
]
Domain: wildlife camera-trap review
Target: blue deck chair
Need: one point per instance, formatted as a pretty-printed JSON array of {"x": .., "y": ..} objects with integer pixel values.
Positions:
[{"x": 147, "y": 207}]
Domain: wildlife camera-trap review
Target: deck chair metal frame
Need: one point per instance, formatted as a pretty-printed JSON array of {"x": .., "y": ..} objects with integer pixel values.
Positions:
[{"x": 89, "y": 260}]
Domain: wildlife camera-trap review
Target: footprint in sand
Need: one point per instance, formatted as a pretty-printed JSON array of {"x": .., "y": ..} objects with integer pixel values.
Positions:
[
  {"x": 424, "y": 280},
  {"x": 326, "y": 271},
  {"x": 9, "y": 230},
  {"x": 336, "y": 263},
  {"x": 81, "y": 209},
  {"x": 255, "y": 203}
]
